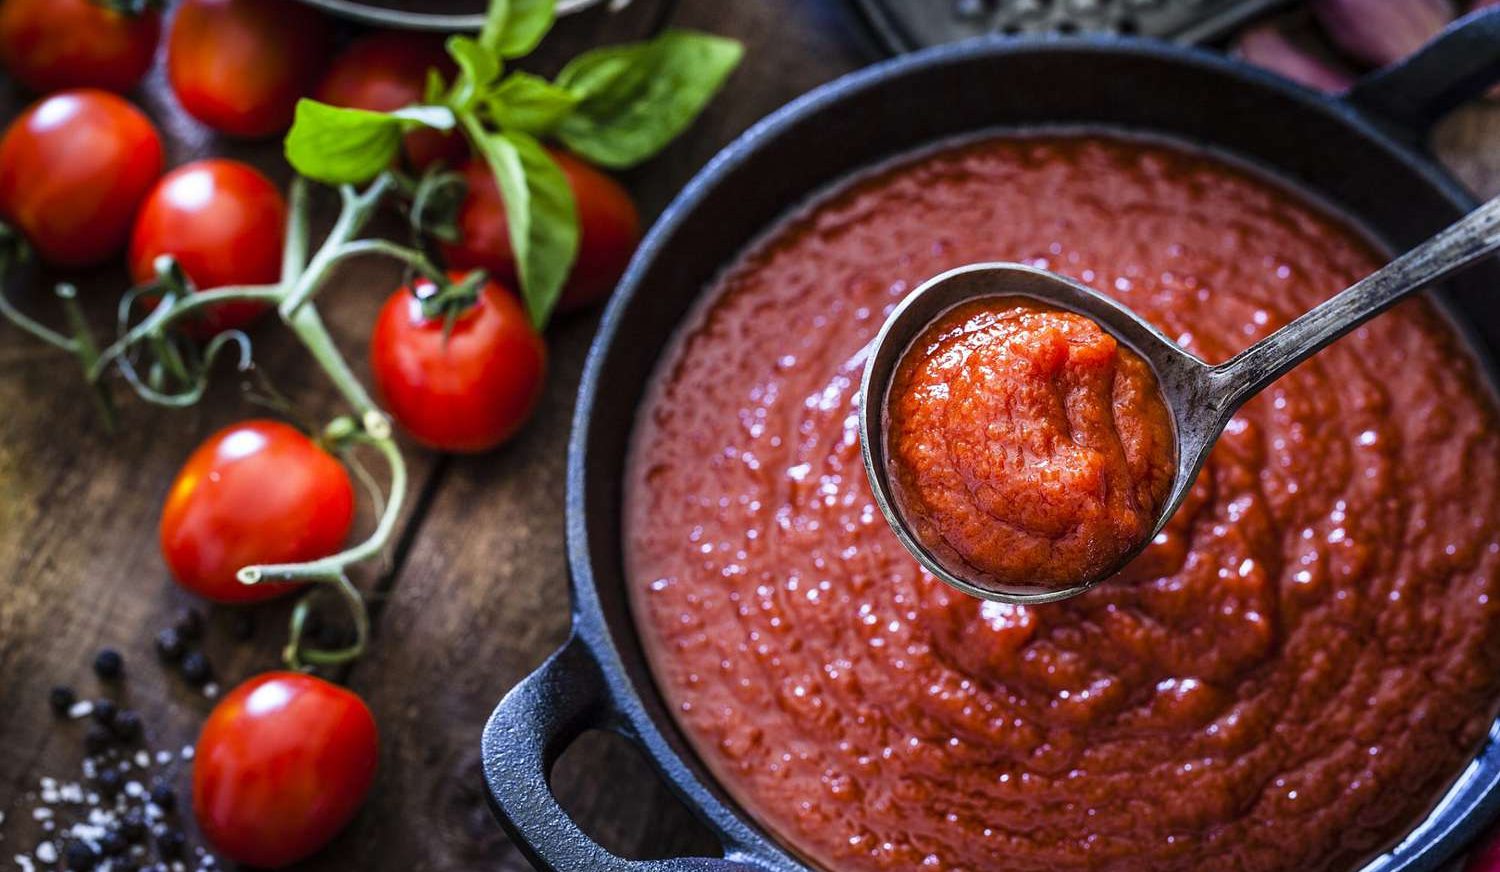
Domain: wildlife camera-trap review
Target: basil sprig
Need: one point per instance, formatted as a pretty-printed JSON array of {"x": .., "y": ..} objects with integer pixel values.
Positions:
[{"x": 614, "y": 106}]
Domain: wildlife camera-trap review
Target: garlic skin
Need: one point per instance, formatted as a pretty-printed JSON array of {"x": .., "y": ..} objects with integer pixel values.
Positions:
[
  {"x": 1264, "y": 45},
  {"x": 1380, "y": 32}
]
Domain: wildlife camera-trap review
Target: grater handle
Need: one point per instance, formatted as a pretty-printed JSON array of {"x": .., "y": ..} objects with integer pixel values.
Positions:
[{"x": 1458, "y": 65}]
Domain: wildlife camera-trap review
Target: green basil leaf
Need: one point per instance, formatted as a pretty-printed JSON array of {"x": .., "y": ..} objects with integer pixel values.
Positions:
[
  {"x": 539, "y": 213},
  {"x": 634, "y": 99},
  {"x": 529, "y": 103},
  {"x": 341, "y": 146},
  {"x": 477, "y": 70},
  {"x": 514, "y": 27}
]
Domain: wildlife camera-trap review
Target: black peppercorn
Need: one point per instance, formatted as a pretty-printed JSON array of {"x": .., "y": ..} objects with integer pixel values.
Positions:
[
  {"x": 133, "y": 826},
  {"x": 164, "y": 796},
  {"x": 127, "y": 725},
  {"x": 109, "y": 782},
  {"x": 196, "y": 669},
  {"x": 189, "y": 624},
  {"x": 108, "y": 664},
  {"x": 170, "y": 843},
  {"x": 112, "y": 844},
  {"x": 169, "y": 645},
  {"x": 80, "y": 857},
  {"x": 61, "y": 699},
  {"x": 104, "y": 711},
  {"x": 97, "y": 739}
]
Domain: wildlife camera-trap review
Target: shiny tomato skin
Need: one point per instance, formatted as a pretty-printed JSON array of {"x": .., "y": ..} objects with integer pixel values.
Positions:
[
  {"x": 73, "y": 169},
  {"x": 609, "y": 225},
  {"x": 467, "y": 392},
  {"x": 223, "y": 221},
  {"x": 240, "y": 66},
  {"x": 255, "y": 492},
  {"x": 52, "y": 45},
  {"x": 283, "y": 764},
  {"x": 385, "y": 71}
]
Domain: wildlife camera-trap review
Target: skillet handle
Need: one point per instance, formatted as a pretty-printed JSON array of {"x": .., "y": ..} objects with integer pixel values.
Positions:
[
  {"x": 530, "y": 728},
  {"x": 1458, "y": 65}
]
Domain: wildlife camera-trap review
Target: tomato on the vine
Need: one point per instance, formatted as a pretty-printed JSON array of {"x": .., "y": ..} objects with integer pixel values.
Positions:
[
  {"x": 49, "y": 45},
  {"x": 609, "y": 230},
  {"x": 73, "y": 170},
  {"x": 465, "y": 386},
  {"x": 282, "y": 765},
  {"x": 255, "y": 492},
  {"x": 240, "y": 66},
  {"x": 223, "y": 221},
  {"x": 385, "y": 71}
]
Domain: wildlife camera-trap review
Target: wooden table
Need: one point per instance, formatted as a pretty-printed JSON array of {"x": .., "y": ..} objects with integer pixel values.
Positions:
[{"x": 475, "y": 593}]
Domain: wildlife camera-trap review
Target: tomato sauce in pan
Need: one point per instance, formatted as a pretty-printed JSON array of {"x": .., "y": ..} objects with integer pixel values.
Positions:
[
  {"x": 1028, "y": 449},
  {"x": 1285, "y": 679}
]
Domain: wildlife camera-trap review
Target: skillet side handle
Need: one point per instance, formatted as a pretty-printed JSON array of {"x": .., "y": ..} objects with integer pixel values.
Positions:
[
  {"x": 530, "y": 728},
  {"x": 1458, "y": 65}
]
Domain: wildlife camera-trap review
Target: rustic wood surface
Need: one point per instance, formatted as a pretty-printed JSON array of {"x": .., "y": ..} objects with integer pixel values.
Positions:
[{"x": 477, "y": 594}]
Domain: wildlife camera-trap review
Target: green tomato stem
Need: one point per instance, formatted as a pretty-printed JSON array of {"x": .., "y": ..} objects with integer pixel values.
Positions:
[
  {"x": 418, "y": 261},
  {"x": 357, "y": 210},
  {"x": 298, "y": 658},
  {"x": 294, "y": 246},
  {"x": 87, "y": 352},
  {"x": 332, "y": 568}
]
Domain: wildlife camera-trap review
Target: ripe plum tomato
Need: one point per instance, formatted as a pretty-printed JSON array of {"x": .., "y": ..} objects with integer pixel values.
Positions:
[
  {"x": 610, "y": 229},
  {"x": 283, "y": 763},
  {"x": 255, "y": 492},
  {"x": 468, "y": 391},
  {"x": 73, "y": 170},
  {"x": 223, "y": 222},
  {"x": 240, "y": 66},
  {"x": 50, "y": 45},
  {"x": 385, "y": 71}
]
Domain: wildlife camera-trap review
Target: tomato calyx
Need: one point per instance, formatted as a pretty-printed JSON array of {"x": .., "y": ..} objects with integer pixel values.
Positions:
[{"x": 443, "y": 298}]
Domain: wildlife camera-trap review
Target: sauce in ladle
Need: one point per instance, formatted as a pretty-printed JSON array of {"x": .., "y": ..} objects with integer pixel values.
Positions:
[{"x": 1028, "y": 448}]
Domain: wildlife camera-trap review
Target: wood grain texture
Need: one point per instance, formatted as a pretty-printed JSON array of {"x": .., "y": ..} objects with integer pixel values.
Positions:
[{"x": 480, "y": 597}]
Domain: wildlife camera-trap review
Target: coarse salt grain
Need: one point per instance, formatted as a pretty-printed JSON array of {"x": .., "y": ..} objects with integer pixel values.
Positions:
[{"x": 81, "y": 709}]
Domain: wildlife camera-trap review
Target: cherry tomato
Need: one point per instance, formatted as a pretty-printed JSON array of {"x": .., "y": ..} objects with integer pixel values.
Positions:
[
  {"x": 240, "y": 66},
  {"x": 223, "y": 221},
  {"x": 283, "y": 763},
  {"x": 609, "y": 227},
  {"x": 467, "y": 391},
  {"x": 49, "y": 45},
  {"x": 255, "y": 492},
  {"x": 73, "y": 169},
  {"x": 385, "y": 71}
]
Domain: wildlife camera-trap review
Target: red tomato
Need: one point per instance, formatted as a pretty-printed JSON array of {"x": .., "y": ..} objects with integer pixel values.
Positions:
[
  {"x": 255, "y": 492},
  {"x": 283, "y": 763},
  {"x": 49, "y": 45},
  {"x": 609, "y": 226},
  {"x": 385, "y": 71},
  {"x": 223, "y": 221},
  {"x": 468, "y": 391},
  {"x": 73, "y": 169},
  {"x": 240, "y": 66}
]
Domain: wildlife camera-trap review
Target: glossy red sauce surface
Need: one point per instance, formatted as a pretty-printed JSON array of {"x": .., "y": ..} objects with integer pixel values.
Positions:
[
  {"x": 1287, "y": 677},
  {"x": 1028, "y": 448}
]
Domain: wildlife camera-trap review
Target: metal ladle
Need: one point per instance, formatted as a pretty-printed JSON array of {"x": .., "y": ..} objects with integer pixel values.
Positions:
[{"x": 1201, "y": 397}]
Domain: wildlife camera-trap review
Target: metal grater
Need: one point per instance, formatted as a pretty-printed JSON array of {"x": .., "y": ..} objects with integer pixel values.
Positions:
[{"x": 907, "y": 25}]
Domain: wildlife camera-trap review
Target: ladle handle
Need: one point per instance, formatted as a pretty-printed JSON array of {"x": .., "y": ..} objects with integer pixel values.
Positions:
[{"x": 1465, "y": 241}]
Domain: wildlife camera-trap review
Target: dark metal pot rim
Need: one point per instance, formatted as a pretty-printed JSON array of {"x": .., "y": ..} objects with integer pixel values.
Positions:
[{"x": 588, "y": 684}]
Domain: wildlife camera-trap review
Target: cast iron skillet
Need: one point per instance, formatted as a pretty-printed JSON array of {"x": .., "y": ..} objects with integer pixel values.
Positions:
[{"x": 1360, "y": 153}]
